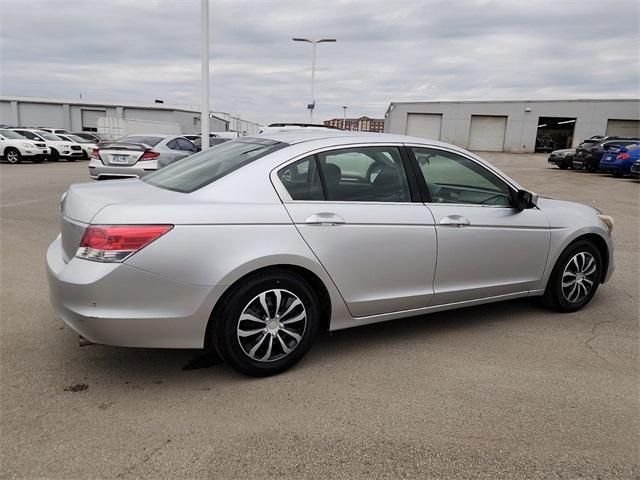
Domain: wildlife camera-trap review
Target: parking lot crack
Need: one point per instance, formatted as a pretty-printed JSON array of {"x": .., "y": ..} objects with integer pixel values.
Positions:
[
  {"x": 594, "y": 335},
  {"x": 145, "y": 458}
]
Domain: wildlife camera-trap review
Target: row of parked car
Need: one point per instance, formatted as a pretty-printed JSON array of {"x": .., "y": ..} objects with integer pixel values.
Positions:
[
  {"x": 619, "y": 156},
  {"x": 18, "y": 144}
]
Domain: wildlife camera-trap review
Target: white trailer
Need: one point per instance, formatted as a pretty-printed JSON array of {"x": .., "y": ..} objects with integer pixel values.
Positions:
[{"x": 113, "y": 128}]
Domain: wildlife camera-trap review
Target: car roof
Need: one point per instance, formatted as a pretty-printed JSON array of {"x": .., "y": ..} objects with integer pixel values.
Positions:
[{"x": 340, "y": 136}]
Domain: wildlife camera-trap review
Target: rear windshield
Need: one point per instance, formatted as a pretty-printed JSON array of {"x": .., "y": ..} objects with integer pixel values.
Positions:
[
  {"x": 203, "y": 168},
  {"x": 589, "y": 143},
  {"x": 151, "y": 141}
]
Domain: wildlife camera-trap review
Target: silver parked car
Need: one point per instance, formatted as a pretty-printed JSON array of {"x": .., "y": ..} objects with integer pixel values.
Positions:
[
  {"x": 137, "y": 155},
  {"x": 252, "y": 246}
]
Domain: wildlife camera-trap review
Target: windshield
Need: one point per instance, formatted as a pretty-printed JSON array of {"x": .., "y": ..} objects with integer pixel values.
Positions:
[
  {"x": 206, "y": 167},
  {"x": 151, "y": 141},
  {"x": 12, "y": 135},
  {"x": 50, "y": 136}
]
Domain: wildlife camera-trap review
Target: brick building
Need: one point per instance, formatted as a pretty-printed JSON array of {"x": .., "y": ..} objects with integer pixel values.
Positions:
[{"x": 362, "y": 124}]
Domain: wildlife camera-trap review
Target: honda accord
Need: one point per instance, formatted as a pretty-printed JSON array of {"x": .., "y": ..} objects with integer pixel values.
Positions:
[{"x": 252, "y": 246}]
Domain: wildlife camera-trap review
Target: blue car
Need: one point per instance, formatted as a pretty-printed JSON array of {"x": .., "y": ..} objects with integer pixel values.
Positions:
[{"x": 618, "y": 160}]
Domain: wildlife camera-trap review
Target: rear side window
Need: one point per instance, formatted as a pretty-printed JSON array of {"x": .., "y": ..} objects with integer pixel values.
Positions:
[
  {"x": 361, "y": 174},
  {"x": 185, "y": 144},
  {"x": 205, "y": 167}
]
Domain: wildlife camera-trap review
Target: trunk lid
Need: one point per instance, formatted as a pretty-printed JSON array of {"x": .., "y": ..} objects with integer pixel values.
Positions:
[{"x": 121, "y": 154}]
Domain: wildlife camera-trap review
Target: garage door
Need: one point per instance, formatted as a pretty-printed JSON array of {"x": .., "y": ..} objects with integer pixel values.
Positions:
[
  {"x": 626, "y": 128},
  {"x": 487, "y": 133},
  {"x": 425, "y": 125},
  {"x": 90, "y": 119}
]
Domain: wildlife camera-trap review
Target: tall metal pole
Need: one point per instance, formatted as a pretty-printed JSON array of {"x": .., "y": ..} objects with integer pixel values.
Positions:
[
  {"x": 313, "y": 82},
  {"x": 344, "y": 117},
  {"x": 204, "y": 116}
]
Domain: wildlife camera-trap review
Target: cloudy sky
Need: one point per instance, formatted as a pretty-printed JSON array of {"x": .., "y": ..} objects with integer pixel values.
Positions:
[{"x": 392, "y": 50}]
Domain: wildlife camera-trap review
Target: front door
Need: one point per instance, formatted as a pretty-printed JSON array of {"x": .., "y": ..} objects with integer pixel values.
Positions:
[
  {"x": 486, "y": 248},
  {"x": 354, "y": 208}
]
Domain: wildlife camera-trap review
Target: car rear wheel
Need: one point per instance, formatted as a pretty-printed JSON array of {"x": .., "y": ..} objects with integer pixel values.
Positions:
[
  {"x": 617, "y": 173},
  {"x": 12, "y": 155},
  {"x": 575, "y": 277},
  {"x": 267, "y": 323},
  {"x": 54, "y": 156}
]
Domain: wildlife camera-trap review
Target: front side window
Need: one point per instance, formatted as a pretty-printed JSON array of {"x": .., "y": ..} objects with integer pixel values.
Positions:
[
  {"x": 452, "y": 178},
  {"x": 205, "y": 167}
]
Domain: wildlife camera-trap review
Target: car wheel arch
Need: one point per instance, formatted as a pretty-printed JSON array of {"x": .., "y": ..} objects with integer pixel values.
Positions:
[
  {"x": 598, "y": 241},
  {"x": 316, "y": 283}
]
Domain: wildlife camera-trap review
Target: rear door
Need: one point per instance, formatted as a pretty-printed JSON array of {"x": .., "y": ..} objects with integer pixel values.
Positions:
[
  {"x": 486, "y": 248},
  {"x": 353, "y": 206}
]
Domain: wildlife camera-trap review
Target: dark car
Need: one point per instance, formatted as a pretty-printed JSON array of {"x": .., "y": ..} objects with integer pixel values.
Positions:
[
  {"x": 589, "y": 153},
  {"x": 562, "y": 158},
  {"x": 635, "y": 169},
  {"x": 213, "y": 141}
]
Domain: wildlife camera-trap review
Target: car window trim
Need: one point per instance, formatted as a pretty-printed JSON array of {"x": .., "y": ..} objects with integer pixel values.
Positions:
[
  {"x": 427, "y": 197},
  {"x": 285, "y": 197}
]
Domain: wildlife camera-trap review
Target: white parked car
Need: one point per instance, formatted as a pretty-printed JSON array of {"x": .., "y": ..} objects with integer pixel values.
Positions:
[
  {"x": 87, "y": 145},
  {"x": 55, "y": 131},
  {"x": 15, "y": 148},
  {"x": 59, "y": 149}
]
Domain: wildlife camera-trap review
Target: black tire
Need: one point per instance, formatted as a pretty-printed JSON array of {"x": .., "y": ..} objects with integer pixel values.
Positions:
[
  {"x": 71, "y": 159},
  {"x": 38, "y": 160},
  {"x": 562, "y": 166},
  {"x": 555, "y": 296},
  {"x": 12, "y": 155},
  {"x": 225, "y": 332},
  {"x": 54, "y": 156},
  {"x": 617, "y": 173}
]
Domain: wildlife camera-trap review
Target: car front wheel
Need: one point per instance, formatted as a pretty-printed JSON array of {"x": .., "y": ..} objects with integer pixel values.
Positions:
[
  {"x": 575, "y": 277},
  {"x": 12, "y": 155},
  {"x": 267, "y": 324}
]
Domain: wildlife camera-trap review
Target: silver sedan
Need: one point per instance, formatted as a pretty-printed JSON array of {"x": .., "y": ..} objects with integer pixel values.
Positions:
[
  {"x": 137, "y": 155},
  {"x": 253, "y": 246}
]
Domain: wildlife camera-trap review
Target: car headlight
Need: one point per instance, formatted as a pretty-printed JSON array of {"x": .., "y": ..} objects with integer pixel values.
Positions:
[
  {"x": 30, "y": 145},
  {"x": 607, "y": 220}
]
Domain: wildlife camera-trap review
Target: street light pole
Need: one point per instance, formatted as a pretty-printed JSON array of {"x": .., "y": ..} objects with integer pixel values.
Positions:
[
  {"x": 204, "y": 116},
  {"x": 311, "y": 106},
  {"x": 344, "y": 117}
]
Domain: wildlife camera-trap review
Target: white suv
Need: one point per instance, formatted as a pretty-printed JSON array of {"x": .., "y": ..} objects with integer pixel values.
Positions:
[
  {"x": 15, "y": 148},
  {"x": 59, "y": 148}
]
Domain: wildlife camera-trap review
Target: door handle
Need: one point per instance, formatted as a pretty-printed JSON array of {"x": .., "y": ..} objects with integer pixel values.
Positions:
[
  {"x": 454, "y": 221},
  {"x": 324, "y": 218}
]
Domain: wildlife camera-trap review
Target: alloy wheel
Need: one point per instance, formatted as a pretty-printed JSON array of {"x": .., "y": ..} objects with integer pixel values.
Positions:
[
  {"x": 578, "y": 277},
  {"x": 13, "y": 156},
  {"x": 271, "y": 325}
]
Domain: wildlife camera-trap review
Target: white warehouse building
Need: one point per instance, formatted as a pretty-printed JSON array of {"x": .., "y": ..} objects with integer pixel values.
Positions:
[
  {"x": 514, "y": 126},
  {"x": 82, "y": 115}
]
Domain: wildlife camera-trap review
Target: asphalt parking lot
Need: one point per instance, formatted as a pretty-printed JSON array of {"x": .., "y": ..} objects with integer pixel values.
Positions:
[{"x": 508, "y": 390}]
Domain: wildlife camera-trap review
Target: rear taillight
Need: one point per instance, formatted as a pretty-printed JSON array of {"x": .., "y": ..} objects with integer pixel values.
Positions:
[
  {"x": 149, "y": 155},
  {"x": 623, "y": 156},
  {"x": 95, "y": 153},
  {"x": 114, "y": 243}
]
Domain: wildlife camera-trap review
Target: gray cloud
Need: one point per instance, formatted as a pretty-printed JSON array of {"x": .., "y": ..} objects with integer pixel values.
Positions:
[{"x": 387, "y": 51}]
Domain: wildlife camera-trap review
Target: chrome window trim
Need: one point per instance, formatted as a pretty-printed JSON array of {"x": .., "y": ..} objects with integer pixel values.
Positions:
[{"x": 284, "y": 194}]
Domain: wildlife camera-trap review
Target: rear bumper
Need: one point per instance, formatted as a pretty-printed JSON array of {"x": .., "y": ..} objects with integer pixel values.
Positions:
[
  {"x": 97, "y": 169},
  {"x": 117, "y": 304}
]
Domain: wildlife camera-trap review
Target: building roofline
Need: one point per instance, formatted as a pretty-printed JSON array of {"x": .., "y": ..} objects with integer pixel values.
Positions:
[
  {"x": 104, "y": 103},
  {"x": 572, "y": 100}
]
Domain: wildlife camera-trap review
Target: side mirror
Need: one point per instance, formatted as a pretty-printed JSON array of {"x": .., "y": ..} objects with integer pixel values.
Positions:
[{"x": 525, "y": 199}]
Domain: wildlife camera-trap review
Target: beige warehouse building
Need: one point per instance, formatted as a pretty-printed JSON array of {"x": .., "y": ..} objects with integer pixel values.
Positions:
[{"x": 514, "y": 126}]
